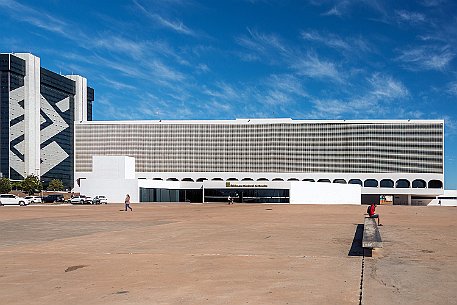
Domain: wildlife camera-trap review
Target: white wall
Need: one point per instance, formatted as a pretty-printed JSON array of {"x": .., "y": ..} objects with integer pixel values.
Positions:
[
  {"x": 324, "y": 193},
  {"x": 112, "y": 176},
  {"x": 114, "y": 189},
  {"x": 32, "y": 114},
  {"x": 80, "y": 97}
]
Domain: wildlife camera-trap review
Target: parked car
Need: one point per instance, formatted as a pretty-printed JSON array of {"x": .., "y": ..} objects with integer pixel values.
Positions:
[
  {"x": 53, "y": 198},
  {"x": 81, "y": 199},
  {"x": 10, "y": 199},
  {"x": 33, "y": 199},
  {"x": 100, "y": 200}
]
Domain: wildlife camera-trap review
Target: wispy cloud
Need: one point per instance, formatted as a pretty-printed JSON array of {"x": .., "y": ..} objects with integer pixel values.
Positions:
[
  {"x": 174, "y": 25},
  {"x": 116, "y": 84},
  {"x": 352, "y": 45},
  {"x": 341, "y": 8},
  {"x": 223, "y": 91},
  {"x": 409, "y": 17},
  {"x": 272, "y": 48},
  {"x": 266, "y": 45},
  {"x": 34, "y": 17},
  {"x": 312, "y": 66},
  {"x": 373, "y": 99},
  {"x": 452, "y": 88},
  {"x": 385, "y": 87},
  {"x": 427, "y": 57},
  {"x": 286, "y": 83}
]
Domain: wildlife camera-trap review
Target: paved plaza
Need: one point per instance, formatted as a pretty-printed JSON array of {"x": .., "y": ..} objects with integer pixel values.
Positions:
[{"x": 221, "y": 254}]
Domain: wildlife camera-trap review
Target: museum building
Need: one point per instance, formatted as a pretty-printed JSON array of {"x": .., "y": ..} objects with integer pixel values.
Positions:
[{"x": 263, "y": 160}]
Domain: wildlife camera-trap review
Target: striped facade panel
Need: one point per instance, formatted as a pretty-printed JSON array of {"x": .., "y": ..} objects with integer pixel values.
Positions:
[{"x": 296, "y": 147}]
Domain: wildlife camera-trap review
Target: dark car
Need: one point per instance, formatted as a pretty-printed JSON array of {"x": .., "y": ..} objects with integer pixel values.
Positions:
[{"x": 53, "y": 198}]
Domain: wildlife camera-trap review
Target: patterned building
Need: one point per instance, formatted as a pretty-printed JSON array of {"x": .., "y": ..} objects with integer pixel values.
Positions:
[
  {"x": 37, "y": 113},
  {"x": 402, "y": 160}
]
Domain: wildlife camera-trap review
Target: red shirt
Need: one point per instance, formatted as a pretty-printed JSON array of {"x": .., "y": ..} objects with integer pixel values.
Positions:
[{"x": 372, "y": 210}]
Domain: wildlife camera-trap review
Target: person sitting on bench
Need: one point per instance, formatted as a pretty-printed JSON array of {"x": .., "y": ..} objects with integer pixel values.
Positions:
[{"x": 372, "y": 212}]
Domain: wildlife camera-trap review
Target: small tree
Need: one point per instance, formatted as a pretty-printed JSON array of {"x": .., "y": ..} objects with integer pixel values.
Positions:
[
  {"x": 5, "y": 185},
  {"x": 31, "y": 185},
  {"x": 55, "y": 185},
  {"x": 16, "y": 185}
]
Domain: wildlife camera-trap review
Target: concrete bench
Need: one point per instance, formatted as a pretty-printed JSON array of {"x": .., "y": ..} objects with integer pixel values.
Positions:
[{"x": 371, "y": 236}]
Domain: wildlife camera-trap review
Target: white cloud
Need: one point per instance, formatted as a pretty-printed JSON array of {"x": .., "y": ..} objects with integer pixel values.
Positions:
[
  {"x": 385, "y": 87},
  {"x": 410, "y": 17},
  {"x": 352, "y": 45},
  {"x": 286, "y": 83},
  {"x": 33, "y": 16},
  {"x": 452, "y": 88},
  {"x": 427, "y": 57},
  {"x": 175, "y": 25},
  {"x": 312, "y": 66},
  {"x": 223, "y": 91},
  {"x": 267, "y": 45}
]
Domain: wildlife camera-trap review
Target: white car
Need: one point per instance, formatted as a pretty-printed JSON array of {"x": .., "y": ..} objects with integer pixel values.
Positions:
[
  {"x": 33, "y": 199},
  {"x": 10, "y": 199},
  {"x": 81, "y": 199},
  {"x": 78, "y": 199},
  {"x": 100, "y": 200}
]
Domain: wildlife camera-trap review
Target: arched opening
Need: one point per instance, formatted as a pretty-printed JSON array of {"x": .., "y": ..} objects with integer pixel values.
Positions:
[
  {"x": 262, "y": 179},
  {"x": 293, "y": 179},
  {"x": 217, "y": 179},
  {"x": 355, "y": 181},
  {"x": 247, "y": 179},
  {"x": 435, "y": 184},
  {"x": 324, "y": 180},
  {"x": 157, "y": 179},
  {"x": 419, "y": 184},
  {"x": 172, "y": 179},
  {"x": 188, "y": 179},
  {"x": 309, "y": 180},
  {"x": 386, "y": 183},
  {"x": 370, "y": 183},
  {"x": 201, "y": 179},
  {"x": 278, "y": 179},
  {"x": 342, "y": 181},
  {"x": 232, "y": 179},
  {"x": 402, "y": 184}
]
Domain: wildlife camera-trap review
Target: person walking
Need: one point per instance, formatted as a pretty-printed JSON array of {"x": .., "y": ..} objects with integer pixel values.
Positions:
[{"x": 127, "y": 203}]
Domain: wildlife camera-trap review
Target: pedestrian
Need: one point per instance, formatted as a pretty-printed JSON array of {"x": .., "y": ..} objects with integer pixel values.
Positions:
[
  {"x": 372, "y": 213},
  {"x": 127, "y": 203}
]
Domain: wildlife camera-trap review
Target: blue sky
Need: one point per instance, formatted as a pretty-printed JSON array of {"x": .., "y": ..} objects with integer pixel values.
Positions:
[{"x": 177, "y": 59}]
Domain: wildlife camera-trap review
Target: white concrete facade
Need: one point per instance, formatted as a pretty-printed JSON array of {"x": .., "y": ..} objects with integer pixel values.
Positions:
[
  {"x": 30, "y": 93},
  {"x": 80, "y": 97},
  {"x": 114, "y": 177}
]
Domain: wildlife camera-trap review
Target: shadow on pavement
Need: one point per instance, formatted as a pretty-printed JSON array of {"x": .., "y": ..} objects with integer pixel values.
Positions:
[{"x": 356, "y": 247}]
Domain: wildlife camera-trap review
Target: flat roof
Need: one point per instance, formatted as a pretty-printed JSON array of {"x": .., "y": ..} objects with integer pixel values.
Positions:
[{"x": 259, "y": 121}]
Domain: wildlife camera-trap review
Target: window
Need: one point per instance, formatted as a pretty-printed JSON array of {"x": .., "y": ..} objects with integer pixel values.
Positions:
[
  {"x": 342, "y": 181},
  {"x": 355, "y": 181},
  {"x": 324, "y": 180},
  {"x": 435, "y": 184},
  {"x": 418, "y": 183},
  {"x": 402, "y": 183},
  {"x": 370, "y": 183},
  {"x": 386, "y": 183}
]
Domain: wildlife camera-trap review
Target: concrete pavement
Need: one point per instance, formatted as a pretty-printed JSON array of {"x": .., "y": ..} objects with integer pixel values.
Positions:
[{"x": 221, "y": 254}]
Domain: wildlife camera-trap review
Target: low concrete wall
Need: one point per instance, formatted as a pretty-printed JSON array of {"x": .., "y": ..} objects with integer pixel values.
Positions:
[{"x": 324, "y": 193}]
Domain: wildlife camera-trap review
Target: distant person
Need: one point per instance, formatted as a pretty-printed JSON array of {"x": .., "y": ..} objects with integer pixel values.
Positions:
[
  {"x": 127, "y": 203},
  {"x": 230, "y": 199},
  {"x": 372, "y": 213}
]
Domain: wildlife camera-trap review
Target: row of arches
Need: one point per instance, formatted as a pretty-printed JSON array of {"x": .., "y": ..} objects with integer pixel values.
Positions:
[{"x": 385, "y": 183}]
